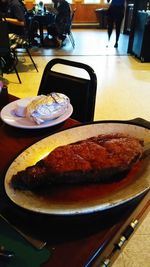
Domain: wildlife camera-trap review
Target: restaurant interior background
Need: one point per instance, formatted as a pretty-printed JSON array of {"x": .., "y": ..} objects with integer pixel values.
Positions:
[
  {"x": 86, "y": 14},
  {"x": 92, "y": 14}
]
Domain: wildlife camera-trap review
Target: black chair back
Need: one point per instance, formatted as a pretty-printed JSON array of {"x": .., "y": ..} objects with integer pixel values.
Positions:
[{"x": 82, "y": 92}]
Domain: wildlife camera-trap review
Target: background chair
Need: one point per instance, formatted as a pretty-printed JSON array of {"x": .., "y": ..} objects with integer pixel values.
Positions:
[
  {"x": 68, "y": 31},
  {"x": 81, "y": 91},
  {"x": 9, "y": 43},
  {"x": 21, "y": 43},
  {"x": 6, "y": 51}
]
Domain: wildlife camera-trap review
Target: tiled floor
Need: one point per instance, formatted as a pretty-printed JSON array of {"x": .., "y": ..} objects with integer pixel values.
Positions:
[
  {"x": 91, "y": 43},
  {"x": 123, "y": 93}
]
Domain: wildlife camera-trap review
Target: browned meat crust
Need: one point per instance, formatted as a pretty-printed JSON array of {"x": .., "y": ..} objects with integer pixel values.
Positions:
[{"x": 104, "y": 158}]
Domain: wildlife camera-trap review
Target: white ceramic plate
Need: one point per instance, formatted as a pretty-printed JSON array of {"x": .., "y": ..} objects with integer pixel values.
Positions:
[
  {"x": 9, "y": 117},
  {"x": 74, "y": 200}
]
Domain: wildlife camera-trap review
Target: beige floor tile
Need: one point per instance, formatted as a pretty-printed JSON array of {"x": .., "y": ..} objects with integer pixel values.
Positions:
[
  {"x": 119, "y": 262},
  {"x": 144, "y": 228},
  {"x": 137, "y": 252}
]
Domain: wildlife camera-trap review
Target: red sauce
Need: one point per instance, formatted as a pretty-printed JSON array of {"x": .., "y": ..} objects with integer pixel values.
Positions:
[{"x": 76, "y": 193}]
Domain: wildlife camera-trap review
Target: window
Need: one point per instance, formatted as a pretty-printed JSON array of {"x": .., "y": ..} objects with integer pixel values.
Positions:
[
  {"x": 50, "y": 1},
  {"x": 73, "y": 1},
  {"x": 92, "y": 1},
  {"x": 95, "y": 1}
]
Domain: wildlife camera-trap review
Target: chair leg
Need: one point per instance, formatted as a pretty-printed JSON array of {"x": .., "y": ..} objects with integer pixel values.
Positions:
[
  {"x": 31, "y": 59},
  {"x": 71, "y": 39},
  {"x": 2, "y": 64},
  {"x": 17, "y": 74},
  {"x": 14, "y": 65},
  {"x": 1, "y": 68}
]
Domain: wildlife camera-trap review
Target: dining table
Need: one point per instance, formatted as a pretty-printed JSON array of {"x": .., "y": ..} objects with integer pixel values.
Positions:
[{"x": 84, "y": 240}]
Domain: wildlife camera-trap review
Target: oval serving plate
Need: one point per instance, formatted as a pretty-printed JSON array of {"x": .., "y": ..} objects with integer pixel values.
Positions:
[{"x": 72, "y": 200}]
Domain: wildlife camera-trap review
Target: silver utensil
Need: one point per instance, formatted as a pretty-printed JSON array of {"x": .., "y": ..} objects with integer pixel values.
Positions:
[{"x": 38, "y": 244}]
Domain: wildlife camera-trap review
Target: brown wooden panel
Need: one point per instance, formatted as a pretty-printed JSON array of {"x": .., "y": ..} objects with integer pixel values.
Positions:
[{"x": 85, "y": 13}]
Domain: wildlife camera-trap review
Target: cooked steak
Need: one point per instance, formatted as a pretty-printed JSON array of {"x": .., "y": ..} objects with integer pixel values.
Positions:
[{"x": 99, "y": 159}]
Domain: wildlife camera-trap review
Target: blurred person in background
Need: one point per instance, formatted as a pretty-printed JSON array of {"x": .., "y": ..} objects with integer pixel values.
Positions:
[
  {"x": 62, "y": 21},
  {"x": 115, "y": 17},
  {"x": 14, "y": 13}
]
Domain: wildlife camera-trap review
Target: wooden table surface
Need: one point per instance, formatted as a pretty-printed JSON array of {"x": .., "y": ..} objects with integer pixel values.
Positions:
[{"x": 74, "y": 241}]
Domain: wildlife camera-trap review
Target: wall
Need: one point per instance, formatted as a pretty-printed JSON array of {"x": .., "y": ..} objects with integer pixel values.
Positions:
[{"x": 86, "y": 12}]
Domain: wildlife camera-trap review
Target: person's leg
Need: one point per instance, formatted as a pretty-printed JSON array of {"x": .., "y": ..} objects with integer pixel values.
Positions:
[
  {"x": 110, "y": 20},
  {"x": 33, "y": 31},
  {"x": 118, "y": 28},
  {"x": 54, "y": 41},
  {"x": 51, "y": 30},
  {"x": 118, "y": 22},
  {"x": 110, "y": 25}
]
